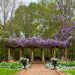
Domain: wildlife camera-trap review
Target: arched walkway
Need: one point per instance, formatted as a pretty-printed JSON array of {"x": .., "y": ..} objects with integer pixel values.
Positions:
[{"x": 39, "y": 69}]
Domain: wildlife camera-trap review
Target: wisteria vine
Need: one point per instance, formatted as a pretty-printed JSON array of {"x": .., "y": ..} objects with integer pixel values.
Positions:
[{"x": 35, "y": 42}]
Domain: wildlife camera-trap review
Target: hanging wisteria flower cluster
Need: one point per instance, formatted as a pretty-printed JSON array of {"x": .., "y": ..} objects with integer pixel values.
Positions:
[
  {"x": 65, "y": 33},
  {"x": 35, "y": 42}
]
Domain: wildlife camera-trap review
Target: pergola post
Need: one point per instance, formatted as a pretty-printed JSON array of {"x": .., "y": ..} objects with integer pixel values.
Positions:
[
  {"x": 62, "y": 54},
  {"x": 9, "y": 54},
  {"x": 32, "y": 55},
  {"x": 54, "y": 53},
  {"x": 21, "y": 52},
  {"x": 12, "y": 57},
  {"x": 43, "y": 58},
  {"x": 51, "y": 52}
]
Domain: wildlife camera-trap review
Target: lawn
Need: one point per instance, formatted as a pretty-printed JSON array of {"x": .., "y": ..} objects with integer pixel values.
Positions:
[
  {"x": 71, "y": 72},
  {"x": 8, "y": 72}
]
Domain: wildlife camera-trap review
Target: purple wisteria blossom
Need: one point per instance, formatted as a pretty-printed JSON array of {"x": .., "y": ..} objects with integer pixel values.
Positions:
[
  {"x": 21, "y": 42},
  {"x": 64, "y": 33},
  {"x": 35, "y": 42}
]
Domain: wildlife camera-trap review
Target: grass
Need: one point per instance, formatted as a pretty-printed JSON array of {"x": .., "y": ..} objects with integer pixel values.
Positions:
[
  {"x": 8, "y": 72},
  {"x": 71, "y": 72}
]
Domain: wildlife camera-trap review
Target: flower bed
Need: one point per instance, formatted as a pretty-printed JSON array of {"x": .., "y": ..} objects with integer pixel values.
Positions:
[
  {"x": 63, "y": 65},
  {"x": 12, "y": 65}
]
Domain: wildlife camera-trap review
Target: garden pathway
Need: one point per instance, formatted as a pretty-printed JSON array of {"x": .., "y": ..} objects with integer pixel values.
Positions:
[{"x": 39, "y": 69}]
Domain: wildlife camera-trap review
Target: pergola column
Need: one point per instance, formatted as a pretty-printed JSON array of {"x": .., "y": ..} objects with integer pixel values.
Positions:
[
  {"x": 54, "y": 53},
  {"x": 43, "y": 58},
  {"x": 32, "y": 55},
  {"x": 9, "y": 54},
  {"x": 51, "y": 52},
  {"x": 21, "y": 52},
  {"x": 12, "y": 55},
  {"x": 62, "y": 54}
]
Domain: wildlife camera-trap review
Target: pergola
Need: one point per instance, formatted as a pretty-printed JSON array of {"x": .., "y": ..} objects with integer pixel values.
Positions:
[
  {"x": 35, "y": 42},
  {"x": 32, "y": 43}
]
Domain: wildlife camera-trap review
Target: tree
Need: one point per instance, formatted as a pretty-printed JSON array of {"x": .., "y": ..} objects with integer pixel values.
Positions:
[
  {"x": 47, "y": 18},
  {"x": 25, "y": 20},
  {"x": 66, "y": 16},
  {"x": 7, "y": 9},
  {"x": 36, "y": 20},
  {"x": 4, "y": 4}
]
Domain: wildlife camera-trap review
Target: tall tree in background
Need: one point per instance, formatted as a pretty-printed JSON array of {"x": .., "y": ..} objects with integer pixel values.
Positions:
[
  {"x": 67, "y": 8},
  {"x": 23, "y": 20},
  {"x": 48, "y": 13},
  {"x": 42, "y": 19},
  {"x": 36, "y": 20},
  {"x": 4, "y": 5},
  {"x": 7, "y": 9}
]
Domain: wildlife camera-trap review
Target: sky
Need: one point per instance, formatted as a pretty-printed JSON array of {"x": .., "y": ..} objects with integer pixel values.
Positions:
[{"x": 26, "y": 2}]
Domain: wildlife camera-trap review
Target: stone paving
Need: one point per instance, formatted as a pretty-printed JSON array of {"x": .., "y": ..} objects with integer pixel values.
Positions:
[{"x": 39, "y": 69}]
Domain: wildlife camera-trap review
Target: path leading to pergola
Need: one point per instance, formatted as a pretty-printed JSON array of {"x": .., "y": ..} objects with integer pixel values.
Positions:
[{"x": 39, "y": 69}]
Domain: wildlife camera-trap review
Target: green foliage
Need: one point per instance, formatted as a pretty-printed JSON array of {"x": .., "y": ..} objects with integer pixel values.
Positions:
[
  {"x": 71, "y": 53},
  {"x": 36, "y": 20},
  {"x": 37, "y": 53},
  {"x": 1, "y": 54},
  {"x": 1, "y": 30},
  {"x": 3, "y": 34}
]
